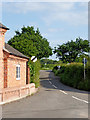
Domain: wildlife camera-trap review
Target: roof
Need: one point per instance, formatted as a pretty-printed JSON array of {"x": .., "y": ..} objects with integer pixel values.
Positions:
[
  {"x": 3, "y": 26},
  {"x": 13, "y": 51}
]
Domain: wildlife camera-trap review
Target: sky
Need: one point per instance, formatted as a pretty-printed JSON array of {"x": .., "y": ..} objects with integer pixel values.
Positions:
[{"x": 59, "y": 22}]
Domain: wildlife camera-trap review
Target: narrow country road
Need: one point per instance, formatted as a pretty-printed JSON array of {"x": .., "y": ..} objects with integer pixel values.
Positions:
[{"x": 54, "y": 100}]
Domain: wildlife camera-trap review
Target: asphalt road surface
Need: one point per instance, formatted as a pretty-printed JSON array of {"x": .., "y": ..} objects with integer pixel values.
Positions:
[{"x": 54, "y": 100}]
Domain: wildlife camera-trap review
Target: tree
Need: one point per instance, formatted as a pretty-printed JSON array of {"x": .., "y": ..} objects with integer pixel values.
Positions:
[
  {"x": 48, "y": 61},
  {"x": 69, "y": 51},
  {"x": 31, "y": 43},
  {"x": 80, "y": 58}
]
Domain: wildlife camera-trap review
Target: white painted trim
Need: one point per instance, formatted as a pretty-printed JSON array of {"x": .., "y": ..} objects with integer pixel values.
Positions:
[
  {"x": 5, "y": 49},
  {"x": 17, "y": 78},
  {"x": 18, "y": 72}
]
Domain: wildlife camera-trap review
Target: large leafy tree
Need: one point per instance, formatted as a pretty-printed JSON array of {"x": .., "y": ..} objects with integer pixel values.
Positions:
[
  {"x": 69, "y": 51},
  {"x": 31, "y": 43}
]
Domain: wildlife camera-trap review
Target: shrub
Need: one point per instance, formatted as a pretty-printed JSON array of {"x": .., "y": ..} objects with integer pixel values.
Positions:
[
  {"x": 73, "y": 75},
  {"x": 83, "y": 85},
  {"x": 55, "y": 70},
  {"x": 34, "y": 72}
]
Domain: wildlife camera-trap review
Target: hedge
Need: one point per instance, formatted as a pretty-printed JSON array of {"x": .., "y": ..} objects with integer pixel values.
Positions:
[
  {"x": 73, "y": 75},
  {"x": 34, "y": 72}
]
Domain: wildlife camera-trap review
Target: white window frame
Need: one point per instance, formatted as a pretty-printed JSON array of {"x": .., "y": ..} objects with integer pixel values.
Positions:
[{"x": 18, "y": 72}]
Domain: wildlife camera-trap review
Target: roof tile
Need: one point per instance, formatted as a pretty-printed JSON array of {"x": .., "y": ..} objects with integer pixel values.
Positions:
[
  {"x": 13, "y": 51},
  {"x": 3, "y": 26}
]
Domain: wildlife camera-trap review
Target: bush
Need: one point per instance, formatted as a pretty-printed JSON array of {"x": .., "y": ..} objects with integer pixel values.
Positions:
[
  {"x": 55, "y": 70},
  {"x": 34, "y": 72},
  {"x": 58, "y": 71},
  {"x": 84, "y": 85},
  {"x": 73, "y": 74}
]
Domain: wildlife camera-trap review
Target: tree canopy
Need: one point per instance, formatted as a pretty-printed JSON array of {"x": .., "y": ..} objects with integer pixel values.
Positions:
[
  {"x": 31, "y": 43},
  {"x": 69, "y": 51},
  {"x": 48, "y": 61}
]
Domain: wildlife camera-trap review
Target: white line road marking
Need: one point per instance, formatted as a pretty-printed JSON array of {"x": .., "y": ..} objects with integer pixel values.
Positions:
[
  {"x": 80, "y": 99},
  {"x": 67, "y": 94},
  {"x": 63, "y": 92},
  {"x": 50, "y": 82},
  {"x": 54, "y": 86}
]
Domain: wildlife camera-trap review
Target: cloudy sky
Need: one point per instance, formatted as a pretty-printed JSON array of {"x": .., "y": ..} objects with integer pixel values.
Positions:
[{"x": 59, "y": 22}]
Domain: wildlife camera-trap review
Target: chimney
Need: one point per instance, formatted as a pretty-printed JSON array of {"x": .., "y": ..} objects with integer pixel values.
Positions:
[{"x": 3, "y": 30}]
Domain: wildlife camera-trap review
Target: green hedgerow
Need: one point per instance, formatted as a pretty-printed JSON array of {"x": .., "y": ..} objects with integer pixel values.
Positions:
[
  {"x": 73, "y": 75},
  {"x": 34, "y": 72}
]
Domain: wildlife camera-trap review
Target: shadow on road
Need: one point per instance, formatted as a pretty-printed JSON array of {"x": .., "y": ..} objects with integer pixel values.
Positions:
[{"x": 48, "y": 75}]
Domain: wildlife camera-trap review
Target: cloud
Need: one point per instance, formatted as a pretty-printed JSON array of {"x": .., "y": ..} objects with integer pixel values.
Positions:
[
  {"x": 21, "y": 7},
  {"x": 69, "y": 14},
  {"x": 25, "y": 7},
  {"x": 45, "y": 1},
  {"x": 54, "y": 12},
  {"x": 52, "y": 30},
  {"x": 83, "y": 4}
]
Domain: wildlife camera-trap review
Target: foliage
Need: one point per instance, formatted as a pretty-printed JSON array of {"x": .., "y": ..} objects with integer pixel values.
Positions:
[
  {"x": 80, "y": 58},
  {"x": 72, "y": 75},
  {"x": 88, "y": 71},
  {"x": 48, "y": 67},
  {"x": 31, "y": 43},
  {"x": 49, "y": 64},
  {"x": 48, "y": 61},
  {"x": 70, "y": 51},
  {"x": 34, "y": 72}
]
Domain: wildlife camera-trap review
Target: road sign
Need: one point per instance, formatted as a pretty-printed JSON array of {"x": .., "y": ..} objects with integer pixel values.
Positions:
[
  {"x": 84, "y": 61},
  {"x": 33, "y": 58}
]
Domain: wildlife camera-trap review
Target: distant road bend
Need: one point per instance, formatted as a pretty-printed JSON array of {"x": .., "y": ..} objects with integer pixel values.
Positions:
[{"x": 54, "y": 100}]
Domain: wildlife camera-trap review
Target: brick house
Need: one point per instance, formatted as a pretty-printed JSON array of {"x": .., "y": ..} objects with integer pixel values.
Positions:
[{"x": 14, "y": 70}]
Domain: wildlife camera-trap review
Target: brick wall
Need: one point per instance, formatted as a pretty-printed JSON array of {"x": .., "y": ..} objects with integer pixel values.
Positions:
[
  {"x": 10, "y": 94},
  {"x": 2, "y": 42},
  {"x": 1, "y": 73},
  {"x": 27, "y": 74},
  {"x": 5, "y": 73},
  {"x": 6, "y": 55},
  {"x": 8, "y": 67},
  {"x": 12, "y": 62}
]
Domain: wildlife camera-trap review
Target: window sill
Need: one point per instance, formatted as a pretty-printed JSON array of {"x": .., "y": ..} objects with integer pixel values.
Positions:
[{"x": 17, "y": 78}]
